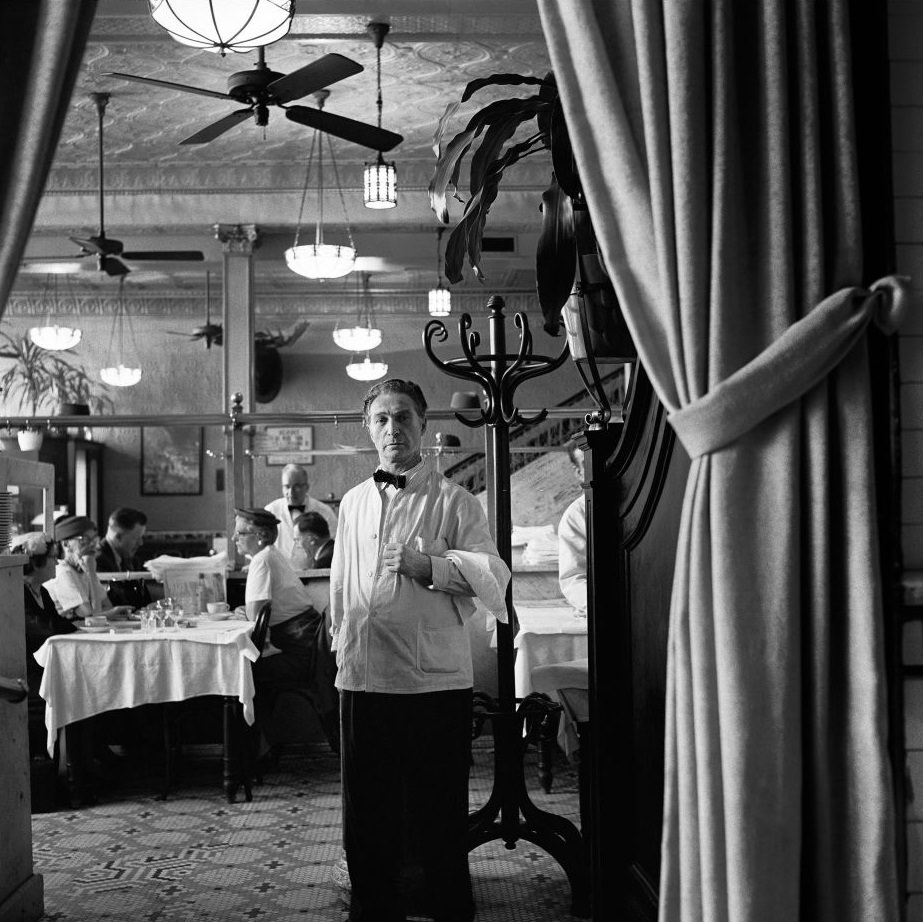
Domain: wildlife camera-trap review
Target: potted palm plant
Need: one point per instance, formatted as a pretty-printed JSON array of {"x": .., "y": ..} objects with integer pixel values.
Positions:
[
  {"x": 571, "y": 281},
  {"x": 37, "y": 380}
]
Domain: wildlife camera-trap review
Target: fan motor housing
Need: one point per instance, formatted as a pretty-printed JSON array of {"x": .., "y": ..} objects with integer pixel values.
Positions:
[{"x": 250, "y": 85}]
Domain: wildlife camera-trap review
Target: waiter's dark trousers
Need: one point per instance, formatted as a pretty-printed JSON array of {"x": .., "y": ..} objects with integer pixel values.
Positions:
[{"x": 405, "y": 762}]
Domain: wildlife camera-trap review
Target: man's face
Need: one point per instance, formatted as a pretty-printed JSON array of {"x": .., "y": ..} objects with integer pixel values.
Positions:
[
  {"x": 396, "y": 430},
  {"x": 128, "y": 542},
  {"x": 294, "y": 487}
]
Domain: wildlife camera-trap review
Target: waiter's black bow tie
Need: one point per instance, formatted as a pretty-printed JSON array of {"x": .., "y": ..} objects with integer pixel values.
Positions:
[
  {"x": 398, "y": 480},
  {"x": 296, "y": 508}
]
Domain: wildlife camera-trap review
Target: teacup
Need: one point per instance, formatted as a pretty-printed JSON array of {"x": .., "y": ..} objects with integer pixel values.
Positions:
[{"x": 215, "y": 607}]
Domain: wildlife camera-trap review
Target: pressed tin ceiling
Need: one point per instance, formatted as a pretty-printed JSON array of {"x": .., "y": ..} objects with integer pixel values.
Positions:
[{"x": 161, "y": 195}]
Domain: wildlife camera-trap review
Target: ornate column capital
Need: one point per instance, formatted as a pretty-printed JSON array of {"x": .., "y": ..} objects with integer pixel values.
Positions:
[{"x": 238, "y": 238}]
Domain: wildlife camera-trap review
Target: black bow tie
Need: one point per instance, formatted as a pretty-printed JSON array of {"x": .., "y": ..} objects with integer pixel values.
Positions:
[
  {"x": 397, "y": 480},
  {"x": 296, "y": 508}
]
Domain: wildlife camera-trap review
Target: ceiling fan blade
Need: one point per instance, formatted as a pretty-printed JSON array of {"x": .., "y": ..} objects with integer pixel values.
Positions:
[
  {"x": 331, "y": 68},
  {"x": 98, "y": 246},
  {"x": 346, "y": 128},
  {"x": 112, "y": 266},
  {"x": 210, "y": 132},
  {"x": 182, "y": 87},
  {"x": 192, "y": 256}
]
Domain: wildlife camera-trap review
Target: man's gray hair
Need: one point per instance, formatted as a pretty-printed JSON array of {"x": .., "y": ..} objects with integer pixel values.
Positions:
[{"x": 394, "y": 386}]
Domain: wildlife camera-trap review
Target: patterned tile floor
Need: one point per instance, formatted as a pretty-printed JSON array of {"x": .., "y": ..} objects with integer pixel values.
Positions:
[{"x": 196, "y": 858}]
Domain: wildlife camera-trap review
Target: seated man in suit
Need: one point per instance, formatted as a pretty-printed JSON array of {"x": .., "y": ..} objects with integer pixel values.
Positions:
[
  {"x": 124, "y": 536},
  {"x": 313, "y": 533}
]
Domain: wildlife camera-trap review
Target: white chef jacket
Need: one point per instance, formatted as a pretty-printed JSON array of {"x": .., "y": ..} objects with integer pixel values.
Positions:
[
  {"x": 392, "y": 633},
  {"x": 572, "y": 566},
  {"x": 285, "y": 542},
  {"x": 270, "y": 576}
]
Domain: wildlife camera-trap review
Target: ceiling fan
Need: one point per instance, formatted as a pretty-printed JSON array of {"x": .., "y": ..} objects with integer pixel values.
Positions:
[
  {"x": 109, "y": 253},
  {"x": 212, "y": 333},
  {"x": 260, "y": 88}
]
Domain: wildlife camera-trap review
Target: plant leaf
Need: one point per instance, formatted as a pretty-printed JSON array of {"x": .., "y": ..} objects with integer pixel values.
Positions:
[
  {"x": 500, "y": 80},
  {"x": 441, "y": 126},
  {"x": 556, "y": 255},
  {"x": 562, "y": 153}
]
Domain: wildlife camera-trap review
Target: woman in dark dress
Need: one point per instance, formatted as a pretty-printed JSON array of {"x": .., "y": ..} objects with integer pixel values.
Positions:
[{"x": 42, "y": 621}]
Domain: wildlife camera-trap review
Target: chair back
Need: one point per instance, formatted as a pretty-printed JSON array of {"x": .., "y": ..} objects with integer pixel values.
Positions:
[{"x": 261, "y": 626}]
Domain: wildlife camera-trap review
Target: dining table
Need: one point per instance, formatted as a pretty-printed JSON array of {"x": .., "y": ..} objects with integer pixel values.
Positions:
[{"x": 119, "y": 665}]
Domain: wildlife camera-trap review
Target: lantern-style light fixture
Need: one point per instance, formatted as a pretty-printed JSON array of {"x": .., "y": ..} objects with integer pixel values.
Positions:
[
  {"x": 121, "y": 371},
  {"x": 380, "y": 177},
  {"x": 320, "y": 260},
  {"x": 54, "y": 337},
  {"x": 440, "y": 298},
  {"x": 224, "y": 25},
  {"x": 366, "y": 369},
  {"x": 366, "y": 334}
]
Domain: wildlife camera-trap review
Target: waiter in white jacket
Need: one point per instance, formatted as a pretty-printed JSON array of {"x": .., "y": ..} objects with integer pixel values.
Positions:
[
  {"x": 412, "y": 550},
  {"x": 293, "y": 503}
]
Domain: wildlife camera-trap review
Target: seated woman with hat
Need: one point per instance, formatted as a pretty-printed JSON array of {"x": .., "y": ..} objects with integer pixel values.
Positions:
[
  {"x": 76, "y": 589},
  {"x": 297, "y": 653}
]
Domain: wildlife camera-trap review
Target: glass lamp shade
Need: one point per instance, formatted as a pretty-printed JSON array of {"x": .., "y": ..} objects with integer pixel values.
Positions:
[
  {"x": 380, "y": 184},
  {"x": 366, "y": 370},
  {"x": 440, "y": 301},
  {"x": 55, "y": 338},
  {"x": 321, "y": 260},
  {"x": 224, "y": 25},
  {"x": 120, "y": 375},
  {"x": 357, "y": 339}
]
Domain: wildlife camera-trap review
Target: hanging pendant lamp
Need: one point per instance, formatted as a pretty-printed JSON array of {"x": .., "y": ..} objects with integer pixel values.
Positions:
[
  {"x": 321, "y": 260},
  {"x": 366, "y": 369},
  {"x": 380, "y": 177},
  {"x": 365, "y": 334},
  {"x": 52, "y": 336},
  {"x": 121, "y": 372},
  {"x": 224, "y": 25},
  {"x": 440, "y": 298}
]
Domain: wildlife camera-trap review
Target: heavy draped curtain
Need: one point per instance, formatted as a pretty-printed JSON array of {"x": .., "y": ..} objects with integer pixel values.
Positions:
[
  {"x": 715, "y": 144},
  {"x": 41, "y": 47}
]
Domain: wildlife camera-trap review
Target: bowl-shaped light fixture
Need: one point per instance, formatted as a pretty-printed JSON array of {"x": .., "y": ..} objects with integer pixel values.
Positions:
[
  {"x": 224, "y": 25},
  {"x": 321, "y": 260},
  {"x": 120, "y": 375},
  {"x": 55, "y": 338},
  {"x": 366, "y": 370},
  {"x": 357, "y": 339}
]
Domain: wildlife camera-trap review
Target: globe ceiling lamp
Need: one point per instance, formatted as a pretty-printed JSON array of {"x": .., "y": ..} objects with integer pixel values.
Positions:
[
  {"x": 224, "y": 25},
  {"x": 440, "y": 298},
  {"x": 120, "y": 371},
  {"x": 366, "y": 369},
  {"x": 321, "y": 260},
  {"x": 365, "y": 334},
  {"x": 53, "y": 336},
  {"x": 380, "y": 177}
]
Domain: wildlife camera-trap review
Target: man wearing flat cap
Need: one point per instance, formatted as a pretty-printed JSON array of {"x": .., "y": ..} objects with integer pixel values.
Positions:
[
  {"x": 76, "y": 589},
  {"x": 412, "y": 549},
  {"x": 297, "y": 653}
]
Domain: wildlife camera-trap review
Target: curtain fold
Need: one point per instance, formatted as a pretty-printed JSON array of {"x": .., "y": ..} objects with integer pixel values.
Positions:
[
  {"x": 715, "y": 144},
  {"x": 41, "y": 48}
]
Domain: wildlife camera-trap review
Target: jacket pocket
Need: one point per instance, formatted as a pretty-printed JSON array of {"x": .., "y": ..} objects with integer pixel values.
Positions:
[{"x": 441, "y": 651}]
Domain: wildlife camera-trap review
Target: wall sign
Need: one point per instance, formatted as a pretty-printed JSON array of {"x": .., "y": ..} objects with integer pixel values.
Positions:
[{"x": 285, "y": 444}]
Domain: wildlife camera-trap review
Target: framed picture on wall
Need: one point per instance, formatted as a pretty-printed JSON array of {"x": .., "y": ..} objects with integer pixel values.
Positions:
[
  {"x": 285, "y": 444},
  {"x": 171, "y": 460}
]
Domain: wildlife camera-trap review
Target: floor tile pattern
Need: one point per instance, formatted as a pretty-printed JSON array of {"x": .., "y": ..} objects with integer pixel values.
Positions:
[{"x": 196, "y": 858}]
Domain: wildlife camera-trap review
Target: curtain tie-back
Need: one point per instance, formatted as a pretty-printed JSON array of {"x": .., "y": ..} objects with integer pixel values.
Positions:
[{"x": 787, "y": 369}]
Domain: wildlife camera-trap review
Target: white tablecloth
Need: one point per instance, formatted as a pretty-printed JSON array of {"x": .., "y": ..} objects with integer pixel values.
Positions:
[
  {"x": 566, "y": 682},
  {"x": 548, "y": 633},
  {"x": 89, "y": 673}
]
